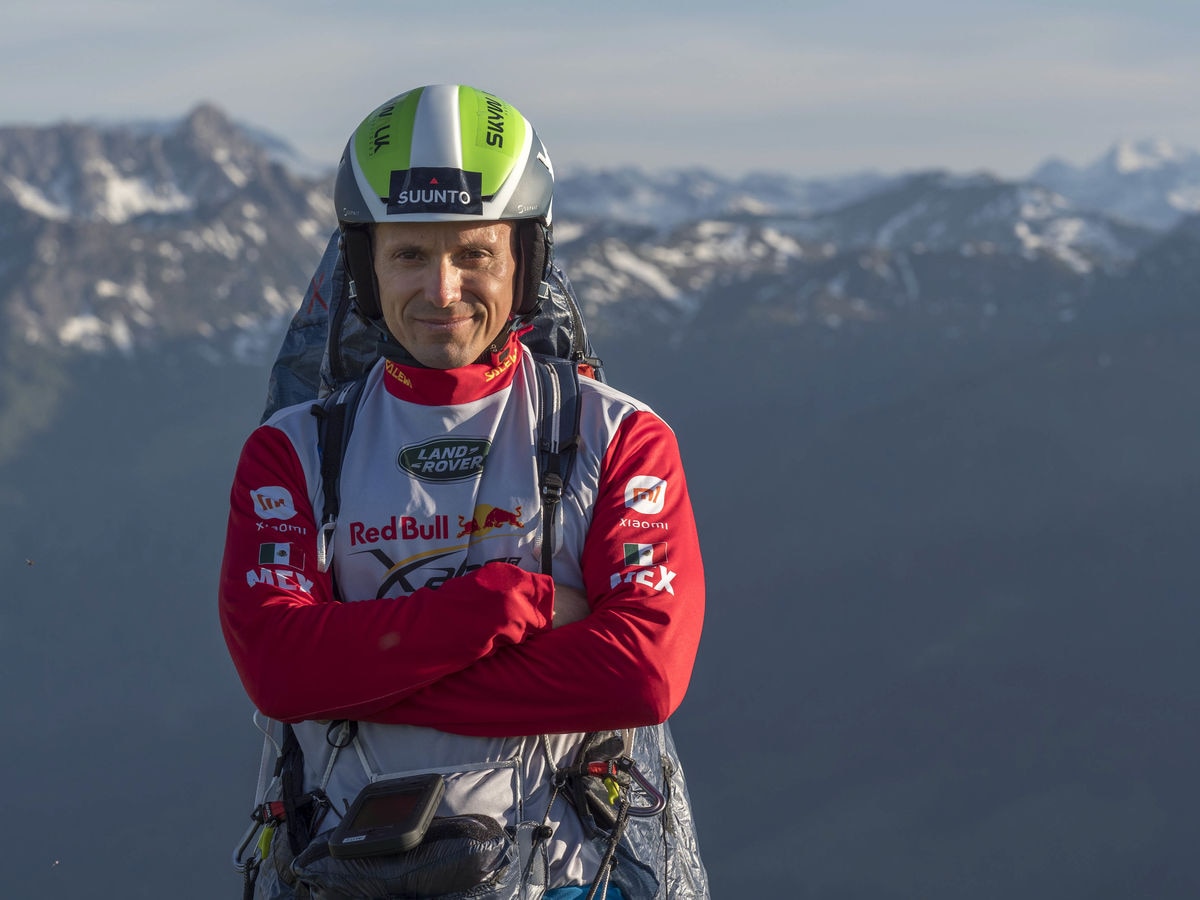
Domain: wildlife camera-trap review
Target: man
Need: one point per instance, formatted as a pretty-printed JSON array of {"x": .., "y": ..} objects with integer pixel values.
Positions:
[{"x": 436, "y": 642}]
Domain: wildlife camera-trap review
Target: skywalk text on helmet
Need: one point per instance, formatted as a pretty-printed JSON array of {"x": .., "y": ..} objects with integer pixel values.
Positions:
[{"x": 495, "y": 121}]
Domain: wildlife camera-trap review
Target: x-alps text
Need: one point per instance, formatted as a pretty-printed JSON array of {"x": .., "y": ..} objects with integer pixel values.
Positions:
[{"x": 408, "y": 575}]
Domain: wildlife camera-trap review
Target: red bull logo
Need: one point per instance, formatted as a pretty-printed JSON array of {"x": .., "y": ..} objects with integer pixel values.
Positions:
[
  {"x": 404, "y": 528},
  {"x": 488, "y": 518}
]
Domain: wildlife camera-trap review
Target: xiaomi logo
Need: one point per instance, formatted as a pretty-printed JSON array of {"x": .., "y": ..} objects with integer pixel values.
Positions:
[
  {"x": 646, "y": 494},
  {"x": 273, "y": 502}
]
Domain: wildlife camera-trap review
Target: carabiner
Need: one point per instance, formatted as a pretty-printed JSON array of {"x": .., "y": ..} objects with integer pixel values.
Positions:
[
  {"x": 238, "y": 863},
  {"x": 608, "y": 768},
  {"x": 659, "y": 802}
]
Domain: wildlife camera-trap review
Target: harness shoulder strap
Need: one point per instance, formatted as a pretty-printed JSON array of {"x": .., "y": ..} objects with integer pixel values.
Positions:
[
  {"x": 558, "y": 439},
  {"x": 335, "y": 419}
]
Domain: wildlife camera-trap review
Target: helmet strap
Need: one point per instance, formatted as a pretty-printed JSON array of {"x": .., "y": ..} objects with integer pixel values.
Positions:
[
  {"x": 535, "y": 249},
  {"x": 360, "y": 267}
]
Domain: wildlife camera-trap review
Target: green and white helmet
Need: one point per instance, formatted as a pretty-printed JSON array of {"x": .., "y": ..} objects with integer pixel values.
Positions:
[{"x": 445, "y": 153}]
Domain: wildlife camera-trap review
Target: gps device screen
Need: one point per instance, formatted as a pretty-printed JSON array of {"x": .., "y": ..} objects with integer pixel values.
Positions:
[
  {"x": 387, "y": 817},
  {"x": 384, "y": 810}
]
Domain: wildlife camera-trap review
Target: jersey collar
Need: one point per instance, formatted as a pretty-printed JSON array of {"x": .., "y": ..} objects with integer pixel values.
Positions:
[{"x": 446, "y": 387}]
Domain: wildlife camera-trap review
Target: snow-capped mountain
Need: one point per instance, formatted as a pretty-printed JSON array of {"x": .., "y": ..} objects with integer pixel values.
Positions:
[
  {"x": 931, "y": 245},
  {"x": 1150, "y": 182},
  {"x": 665, "y": 199},
  {"x": 943, "y": 211},
  {"x": 85, "y": 173},
  {"x": 125, "y": 236}
]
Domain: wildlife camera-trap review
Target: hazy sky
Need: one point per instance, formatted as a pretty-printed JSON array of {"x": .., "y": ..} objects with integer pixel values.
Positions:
[{"x": 812, "y": 88}]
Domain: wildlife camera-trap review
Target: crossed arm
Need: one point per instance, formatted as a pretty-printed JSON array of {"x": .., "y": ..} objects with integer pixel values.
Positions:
[{"x": 499, "y": 651}]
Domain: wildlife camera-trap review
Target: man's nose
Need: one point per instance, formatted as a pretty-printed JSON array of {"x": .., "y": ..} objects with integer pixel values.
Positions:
[{"x": 444, "y": 283}]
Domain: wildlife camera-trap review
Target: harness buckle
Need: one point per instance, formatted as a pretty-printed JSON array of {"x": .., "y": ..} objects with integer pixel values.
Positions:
[{"x": 325, "y": 545}]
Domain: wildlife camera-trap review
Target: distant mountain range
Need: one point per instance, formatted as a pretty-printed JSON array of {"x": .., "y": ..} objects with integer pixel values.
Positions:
[
  {"x": 127, "y": 238},
  {"x": 940, "y": 436},
  {"x": 1148, "y": 182},
  {"x": 119, "y": 237}
]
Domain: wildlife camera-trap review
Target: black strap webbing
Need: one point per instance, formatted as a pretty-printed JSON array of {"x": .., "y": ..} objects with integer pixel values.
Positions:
[
  {"x": 335, "y": 419},
  {"x": 558, "y": 439},
  {"x": 290, "y": 769}
]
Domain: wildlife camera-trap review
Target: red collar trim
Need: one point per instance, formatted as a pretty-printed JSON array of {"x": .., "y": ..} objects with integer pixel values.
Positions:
[{"x": 447, "y": 387}]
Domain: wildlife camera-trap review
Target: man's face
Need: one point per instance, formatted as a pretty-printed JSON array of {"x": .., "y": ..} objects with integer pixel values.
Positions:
[{"x": 445, "y": 288}]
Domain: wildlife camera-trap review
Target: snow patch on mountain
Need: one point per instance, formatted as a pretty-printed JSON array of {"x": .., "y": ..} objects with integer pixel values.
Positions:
[
  {"x": 1186, "y": 199},
  {"x": 888, "y": 230},
  {"x": 623, "y": 261},
  {"x": 217, "y": 237},
  {"x": 238, "y": 176},
  {"x": 94, "y": 334},
  {"x": 783, "y": 244},
  {"x": 35, "y": 201},
  {"x": 136, "y": 295},
  {"x": 1147, "y": 155},
  {"x": 1056, "y": 242},
  {"x": 122, "y": 198}
]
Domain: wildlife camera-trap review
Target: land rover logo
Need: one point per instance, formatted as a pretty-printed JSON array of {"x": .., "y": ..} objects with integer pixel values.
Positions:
[{"x": 445, "y": 459}]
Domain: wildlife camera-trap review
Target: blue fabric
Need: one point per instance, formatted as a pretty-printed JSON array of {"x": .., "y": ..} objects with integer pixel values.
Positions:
[{"x": 579, "y": 892}]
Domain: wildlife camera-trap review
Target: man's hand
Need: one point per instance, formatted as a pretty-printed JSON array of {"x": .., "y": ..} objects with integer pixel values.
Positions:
[{"x": 570, "y": 605}]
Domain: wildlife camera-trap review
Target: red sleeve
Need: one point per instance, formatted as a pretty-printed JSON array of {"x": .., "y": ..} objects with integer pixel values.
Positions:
[
  {"x": 301, "y": 654},
  {"x": 629, "y": 662}
]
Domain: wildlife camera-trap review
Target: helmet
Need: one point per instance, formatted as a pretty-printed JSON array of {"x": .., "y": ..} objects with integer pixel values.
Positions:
[{"x": 445, "y": 153}]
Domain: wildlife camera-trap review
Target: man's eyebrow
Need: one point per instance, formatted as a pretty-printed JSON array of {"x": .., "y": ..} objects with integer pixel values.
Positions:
[
  {"x": 402, "y": 245},
  {"x": 477, "y": 244}
]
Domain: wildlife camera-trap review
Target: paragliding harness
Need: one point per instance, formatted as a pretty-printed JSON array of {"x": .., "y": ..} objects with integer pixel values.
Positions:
[{"x": 600, "y": 781}]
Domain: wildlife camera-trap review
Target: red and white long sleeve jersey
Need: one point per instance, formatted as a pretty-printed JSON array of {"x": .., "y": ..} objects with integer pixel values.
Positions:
[{"x": 445, "y": 629}]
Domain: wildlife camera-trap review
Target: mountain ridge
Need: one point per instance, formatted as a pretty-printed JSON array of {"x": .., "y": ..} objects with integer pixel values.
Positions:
[
  {"x": 189, "y": 205},
  {"x": 129, "y": 237}
]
